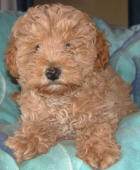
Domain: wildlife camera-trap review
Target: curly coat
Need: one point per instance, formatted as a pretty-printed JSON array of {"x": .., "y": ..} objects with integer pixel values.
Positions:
[{"x": 88, "y": 100}]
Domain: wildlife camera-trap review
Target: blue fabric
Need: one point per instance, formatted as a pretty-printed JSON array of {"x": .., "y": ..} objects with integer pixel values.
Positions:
[
  {"x": 8, "y": 109},
  {"x": 7, "y": 162},
  {"x": 125, "y": 59}
]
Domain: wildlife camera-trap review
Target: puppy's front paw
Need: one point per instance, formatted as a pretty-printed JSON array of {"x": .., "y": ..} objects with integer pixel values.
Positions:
[
  {"x": 100, "y": 155},
  {"x": 23, "y": 148}
]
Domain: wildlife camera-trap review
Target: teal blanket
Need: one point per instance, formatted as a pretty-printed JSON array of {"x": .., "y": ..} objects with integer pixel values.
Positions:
[{"x": 124, "y": 58}]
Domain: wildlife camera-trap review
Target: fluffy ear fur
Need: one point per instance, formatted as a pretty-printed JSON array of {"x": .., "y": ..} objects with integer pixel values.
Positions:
[
  {"x": 10, "y": 58},
  {"x": 102, "y": 52}
]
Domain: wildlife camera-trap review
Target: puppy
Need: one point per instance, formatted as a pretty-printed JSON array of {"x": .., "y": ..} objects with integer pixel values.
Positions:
[{"x": 68, "y": 90}]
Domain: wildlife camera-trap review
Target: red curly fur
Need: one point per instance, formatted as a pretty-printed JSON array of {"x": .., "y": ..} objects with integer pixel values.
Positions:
[
  {"x": 85, "y": 103},
  {"x": 102, "y": 52},
  {"x": 10, "y": 59}
]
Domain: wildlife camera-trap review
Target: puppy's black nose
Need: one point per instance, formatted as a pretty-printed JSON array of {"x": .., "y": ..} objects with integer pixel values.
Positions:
[{"x": 53, "y": 73}]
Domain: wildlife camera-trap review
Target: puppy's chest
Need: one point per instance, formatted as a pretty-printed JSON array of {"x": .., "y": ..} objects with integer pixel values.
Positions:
[
  {"x": 59, "y": 108},
  {"x": 73, "y": 111}
]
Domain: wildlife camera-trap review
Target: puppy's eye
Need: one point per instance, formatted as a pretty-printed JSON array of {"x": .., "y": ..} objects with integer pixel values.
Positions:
[
  {"x": 67, "y": 45},
  {"x": 37, "y": 47}
]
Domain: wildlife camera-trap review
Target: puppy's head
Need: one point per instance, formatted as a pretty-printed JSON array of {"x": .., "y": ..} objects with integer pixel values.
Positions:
[{"x": 54, "y": 48}]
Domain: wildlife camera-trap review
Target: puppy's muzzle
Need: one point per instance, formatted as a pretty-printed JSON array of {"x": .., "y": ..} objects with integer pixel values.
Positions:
[{"x": 53, "y": 73}]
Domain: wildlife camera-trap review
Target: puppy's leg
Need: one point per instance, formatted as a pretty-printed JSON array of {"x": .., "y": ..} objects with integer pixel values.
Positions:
[
  {"x": 31, "y": 139},
  {"x": 97, "y": 146}
]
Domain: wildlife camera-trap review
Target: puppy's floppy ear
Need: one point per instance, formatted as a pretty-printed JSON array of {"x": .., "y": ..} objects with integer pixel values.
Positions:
[
  {"x": 11, "y": 58},
  {"x": 102, "y": 52},
  {"x": 17, "y": 31}
]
